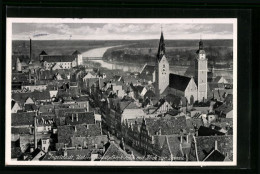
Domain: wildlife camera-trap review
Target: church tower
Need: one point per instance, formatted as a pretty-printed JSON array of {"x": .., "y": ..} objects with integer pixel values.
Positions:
[
  {"x": 201, "y": 70},
  {"x": 161, "y": 68}
]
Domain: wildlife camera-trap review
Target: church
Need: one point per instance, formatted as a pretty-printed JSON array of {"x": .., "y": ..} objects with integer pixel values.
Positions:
[{"x": 193, "y": 88}]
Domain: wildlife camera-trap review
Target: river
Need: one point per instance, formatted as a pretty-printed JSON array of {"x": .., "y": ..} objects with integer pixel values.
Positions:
[{"x": 133, "y": 67}]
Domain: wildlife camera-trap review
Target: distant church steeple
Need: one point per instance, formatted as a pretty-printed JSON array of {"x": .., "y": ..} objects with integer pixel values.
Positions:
[
  {"x": 161, "y": 49},
  {"x": 161, "y": 69},
  {"x": 200, "y": 45},
  {"x": 201, "y": 70},
  {"x": 30, "y": 51}
]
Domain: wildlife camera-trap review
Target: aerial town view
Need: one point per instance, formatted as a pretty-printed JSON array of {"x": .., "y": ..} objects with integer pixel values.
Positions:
[{"x": 122, "y": 92}]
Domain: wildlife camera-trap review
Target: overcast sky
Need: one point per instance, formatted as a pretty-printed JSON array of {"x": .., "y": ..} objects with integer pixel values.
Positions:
[{"x": 119, "y": 31}]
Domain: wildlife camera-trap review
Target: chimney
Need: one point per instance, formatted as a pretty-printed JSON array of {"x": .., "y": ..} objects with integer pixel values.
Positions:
[
  {"x": 95, "y": 145},
  {"x": 122, "y": 144},
  {"x": 87, "y": 106},
  {"x": 35, "y": 132},
  {"x": 186, "y": 156},
  {"x": 187, "y": 138},
  {"x": 77, "y": 117},
  {"x": 160, "y": 131},
  {"x": 132, "y": 154},
  {"x": 181, "y": 138},
  {"x": 72, "y": 117},
  {"x": 196, "y": 131},
  {"x": 30, "y": 77},
  {"x": 30, "y": 50},
  {"x": 108, "y": 136},
  {"x": 216, "y": 145},
  {"x": 31, "y": 149},
  {"x": 65, "y": 153}
]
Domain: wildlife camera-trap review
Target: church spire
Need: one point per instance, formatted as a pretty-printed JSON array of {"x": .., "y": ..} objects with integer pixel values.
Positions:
[
  {"x": 161, "y": 49},
  {"x": 200, "y": 44}
]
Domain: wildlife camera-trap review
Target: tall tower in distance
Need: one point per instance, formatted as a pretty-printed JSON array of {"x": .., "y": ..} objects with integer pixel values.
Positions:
[
  {"x": 161, "y": 68},
  {"x": 30, "y": 51},
  {"x": 201, "y": 70},
  {"x": 18, "y": 65}
]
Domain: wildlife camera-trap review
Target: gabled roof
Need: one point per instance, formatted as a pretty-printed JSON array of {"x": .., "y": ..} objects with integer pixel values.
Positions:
[
  {"x": 43, "y": 53},
  {"x": 17, "y": 85},
  {"x": 36, "y": 95},
  {"x": 30, "y": 107},
  {"x": 215, "y": 155},
  {"x": 159, "y": 141},
  {"x": 229, "y": 99},
  {"x": 123, "y": 104},
  {"x": 83, "y": 118},
  {"x": 20, "y": 130},
  {"x": 168, "y": 126},
  {"x": 67, "y": 131},
  {"x": 147, "y": 70},
  {"x": 16, "y": 152},
  {"x": 19, "y": 77},
  {"x": 99, "y": 140},
  {"x": 59, "y": 58},
  {"x": 139, "y": 89},
  {"x": 115, "y": 153},
  {"x": 171, "y": 98},
  {"x": 205, "y": 145},
  {"x": 224, "y": 109},
  {"x": 174, "y": 145},
  {"x": 149, "y": 94},
  {"x": 25, "y": 118},
  {"x": 132, "y": 105},
  {"x": 76, "y": 52},
  {"x": 178, "y": 82},
  {"x": 62, "y": 111}
]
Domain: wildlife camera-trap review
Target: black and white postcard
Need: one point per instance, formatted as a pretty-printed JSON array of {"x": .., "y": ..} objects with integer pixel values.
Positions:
[{"x": 121, "y": 92}]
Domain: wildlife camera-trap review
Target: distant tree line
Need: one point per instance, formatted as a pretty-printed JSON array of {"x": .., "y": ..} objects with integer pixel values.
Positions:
[{"x": 217, "y": 56}]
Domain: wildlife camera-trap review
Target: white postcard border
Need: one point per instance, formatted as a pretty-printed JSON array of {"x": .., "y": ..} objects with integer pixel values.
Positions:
[{"x": 10, "y": 21}]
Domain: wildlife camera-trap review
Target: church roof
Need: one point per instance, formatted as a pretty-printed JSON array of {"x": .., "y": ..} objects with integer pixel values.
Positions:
[
  {"x": 76, "y": 52},
  {"x": 59, "y": 58},
  {"x": 43, "y": 53},
  {"x": 178, "y": 82},
  {"x": 161, "y": 49},
  {"x": 201, "y": 49},
  {"x": 147, "y": 70}
]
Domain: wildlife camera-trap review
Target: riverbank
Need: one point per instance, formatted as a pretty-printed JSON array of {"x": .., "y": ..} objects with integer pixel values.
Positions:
[{"x": 135, "y": 67}]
